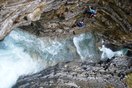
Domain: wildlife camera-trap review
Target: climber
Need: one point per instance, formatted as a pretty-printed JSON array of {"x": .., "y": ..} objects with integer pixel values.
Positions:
[
  {"x": 90, "y": 11},
  {"x": 80, "y": 24}
]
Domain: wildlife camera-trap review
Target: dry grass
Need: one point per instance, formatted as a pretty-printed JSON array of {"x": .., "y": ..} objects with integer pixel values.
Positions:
[{"x": 129, "y": 80}]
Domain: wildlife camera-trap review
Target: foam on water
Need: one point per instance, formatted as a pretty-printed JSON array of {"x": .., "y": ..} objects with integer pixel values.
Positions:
[
  {"x": 108, "y": 53},
  {"x": 85, "y": 45},
  {"x": 14, "y": 62},
  {"x": 22, "y": 53}
]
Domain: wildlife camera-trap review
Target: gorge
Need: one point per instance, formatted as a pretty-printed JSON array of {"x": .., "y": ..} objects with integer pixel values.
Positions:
[{"x": 41, "y": 47}]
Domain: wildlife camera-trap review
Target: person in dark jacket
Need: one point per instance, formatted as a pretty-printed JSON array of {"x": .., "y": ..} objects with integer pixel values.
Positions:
[
  {"x": 90, "y": 11},
  {"x": 80, "y": 24}
]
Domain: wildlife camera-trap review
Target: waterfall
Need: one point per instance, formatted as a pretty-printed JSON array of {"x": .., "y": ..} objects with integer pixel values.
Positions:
[{"x": 22, "y": 53}]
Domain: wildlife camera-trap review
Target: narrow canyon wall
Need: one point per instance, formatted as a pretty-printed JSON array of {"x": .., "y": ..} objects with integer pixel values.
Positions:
[{"x": 113, "y": 20}]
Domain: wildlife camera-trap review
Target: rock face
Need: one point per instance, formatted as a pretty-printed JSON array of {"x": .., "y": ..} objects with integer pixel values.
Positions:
[
  {"x": 22, "y": 12},
  {"x": 78, "y": 74},
  {"x": 116, "y": 18},
  {"x": 58, "y": 18},
  {"x": 113, "y": 20}
]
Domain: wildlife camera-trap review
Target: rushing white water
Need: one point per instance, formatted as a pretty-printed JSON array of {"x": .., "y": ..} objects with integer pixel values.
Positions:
[
  {"x": 108, "y": 53},
  {"x": 14, "y": 61},
  {"x": 85, "y": 45},
  {"x": 22, "y": 53}
]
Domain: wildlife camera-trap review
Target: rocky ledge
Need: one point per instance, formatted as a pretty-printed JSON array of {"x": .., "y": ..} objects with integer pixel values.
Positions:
[{"x": 82, "y": 74}]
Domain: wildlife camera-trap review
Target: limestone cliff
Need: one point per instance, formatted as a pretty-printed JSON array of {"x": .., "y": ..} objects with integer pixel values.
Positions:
[
  {"x": 113, "y": 20},
  {"x": 54, "y": 18}
]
